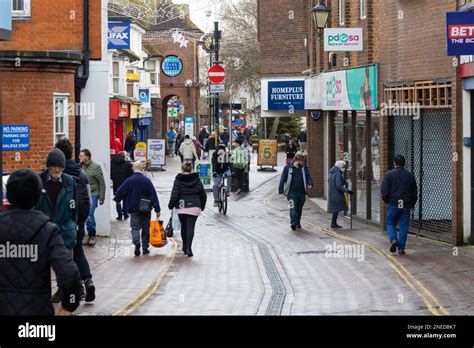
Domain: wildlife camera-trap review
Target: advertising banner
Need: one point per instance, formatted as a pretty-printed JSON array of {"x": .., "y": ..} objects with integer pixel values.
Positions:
[
  {"x": 189, "y": 125},
  {"x": 119, "y": 36},
  {"x": 267, "y": 152},
  {"x": 343, "y": 39},
  {"x": 460, "y": 33},
  {"x": 284, "y": 95},
  {"x": 205, "y": 171},
  {"x": 157, "y": 152}
]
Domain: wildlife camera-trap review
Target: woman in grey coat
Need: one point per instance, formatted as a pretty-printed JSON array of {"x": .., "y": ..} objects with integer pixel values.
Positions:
[{"x": 337, "y": 190}]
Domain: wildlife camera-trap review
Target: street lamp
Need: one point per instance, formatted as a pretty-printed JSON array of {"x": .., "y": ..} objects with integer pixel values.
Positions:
[{"x": 320, "y": 15}]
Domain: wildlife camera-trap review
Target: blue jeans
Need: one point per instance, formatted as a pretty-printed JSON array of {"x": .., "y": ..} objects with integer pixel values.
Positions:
[
  {"x": 396, "y": 216},
  {"x": 296, "y": 201},
  {"x": 78, "y": 251},
  {"x": 217, "y": 180},
  {"x": 91, "y": 219}
]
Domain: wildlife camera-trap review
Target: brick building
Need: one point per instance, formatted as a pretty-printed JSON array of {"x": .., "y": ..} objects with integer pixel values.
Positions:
[{"x": 410, "y": 104}]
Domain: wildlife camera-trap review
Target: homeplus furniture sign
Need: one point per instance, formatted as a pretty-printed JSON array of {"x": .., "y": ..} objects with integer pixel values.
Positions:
[
  {"x": 286, "y": 95},
  {"x": 343, "y": 39}
]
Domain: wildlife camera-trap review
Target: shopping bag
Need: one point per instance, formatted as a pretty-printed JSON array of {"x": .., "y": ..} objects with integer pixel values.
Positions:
[
  {"x": 169, "y": 228},
  {"x": 157, "y": 234},
  {"x": 175, "y": 221}
]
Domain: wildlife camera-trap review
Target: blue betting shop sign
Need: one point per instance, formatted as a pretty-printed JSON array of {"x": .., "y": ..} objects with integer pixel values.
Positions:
[
  {"x": 15, "y": 137},
  {"x": 460, "y": 33},
  {"x": 119, "y": 35},
  {"x": 284, "y": 95}
]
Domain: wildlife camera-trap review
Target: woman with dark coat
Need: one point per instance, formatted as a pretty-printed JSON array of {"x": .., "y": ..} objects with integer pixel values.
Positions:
[
  {"x": 291, "y": 151},
  {"x": 130, "y": 144},
  {"x": 337, "y": 190},
  {"x": 189, "y": 198},
  {"x": 120, "y": 170}
]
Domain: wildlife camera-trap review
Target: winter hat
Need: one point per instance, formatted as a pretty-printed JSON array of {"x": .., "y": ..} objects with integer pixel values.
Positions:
[
  {"x": 187, "y": 136},
  {"x": 24, "y": 189},
  {"x": 56, "y": 158}
]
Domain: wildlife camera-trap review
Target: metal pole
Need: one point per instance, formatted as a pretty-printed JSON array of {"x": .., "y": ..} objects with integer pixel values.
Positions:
[{"x": 216, "y": 59}]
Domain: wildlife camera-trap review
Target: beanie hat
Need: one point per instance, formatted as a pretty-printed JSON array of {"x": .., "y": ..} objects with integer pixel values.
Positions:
[
  {"x": 24, "y": 189},
  {"x": 56, "y": 158}
]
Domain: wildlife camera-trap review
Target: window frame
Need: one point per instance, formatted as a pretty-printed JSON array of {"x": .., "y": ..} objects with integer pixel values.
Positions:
[
  {"x": 61, "y": 97},
  {"x": 342, "y": 12},
  {"x": 363, "y": 9},
  {"x": 25, "y": 13},
  {"x": 116, "y": 78}
]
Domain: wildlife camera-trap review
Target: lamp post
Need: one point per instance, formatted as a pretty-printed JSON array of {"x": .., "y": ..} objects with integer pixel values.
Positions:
[{"x": 320, "y": 15}]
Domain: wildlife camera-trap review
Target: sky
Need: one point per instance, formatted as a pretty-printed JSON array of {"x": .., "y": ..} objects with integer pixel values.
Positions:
[{"x": 197, "y": 9}]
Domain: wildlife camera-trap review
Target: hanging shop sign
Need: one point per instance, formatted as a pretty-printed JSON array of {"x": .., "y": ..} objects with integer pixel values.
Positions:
[
  {"x": 343, "y": 39},
  {"x": 267, "y": 152},
  {"x": 157, "y": 152},
  {"x": 144, "y": 95},
  {"x": 15, "y": 137},
  {"x": 172, "y": 66},
  {"x": 286, "y": 95},
  {"x": 119, "y": 36},
  {"x": 189, "y": 125},
  {"x": 132, "y": 77},
  {"x": 460, "y": 33},
  {"x": 351, "y": 89},
  {"x": 172, "y": 112}
]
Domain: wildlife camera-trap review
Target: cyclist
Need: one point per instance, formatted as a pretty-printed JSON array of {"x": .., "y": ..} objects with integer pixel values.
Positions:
[{"x": 221, "y": 168}]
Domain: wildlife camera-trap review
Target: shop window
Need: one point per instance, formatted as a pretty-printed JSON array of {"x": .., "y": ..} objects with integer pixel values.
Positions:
[
  {"x": 342, "y": 12},
  {"x": 116, "y": 76},
  {"x": 21, "y": 8},
  {"x": 363, "y": 9},
  {"x": 61, "y": 125}
]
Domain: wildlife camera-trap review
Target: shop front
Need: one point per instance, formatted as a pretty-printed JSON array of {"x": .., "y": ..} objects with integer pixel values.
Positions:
[{"x": 119, "y": 114}]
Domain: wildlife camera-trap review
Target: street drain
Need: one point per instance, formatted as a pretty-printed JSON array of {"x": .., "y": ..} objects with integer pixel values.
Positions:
[{"x": 310, "y": 252}]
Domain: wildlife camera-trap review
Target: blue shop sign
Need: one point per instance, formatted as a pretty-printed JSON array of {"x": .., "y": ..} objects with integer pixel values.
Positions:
[
  {"x": 172, "y": 66},
  {"x": 144, "y": 95},
  {"x": 284, "y": 95},
  {"x": 460, "y": 33},
  {"x": 15, "y": 137},
  {"x": 119, "y": 36}
]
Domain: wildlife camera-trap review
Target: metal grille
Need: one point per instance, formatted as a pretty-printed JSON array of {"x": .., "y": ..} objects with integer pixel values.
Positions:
[{"x": 426, "y": 145}]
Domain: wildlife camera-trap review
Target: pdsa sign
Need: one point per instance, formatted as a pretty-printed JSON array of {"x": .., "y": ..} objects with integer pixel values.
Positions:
[
  {"x": 286, "y": 95},
  {"x": 15, "y": 137},
  {"x": 119, "y": 35},
  {"x": 460, "y": 33},
  {"x": 343, "y": 39},
  {"x": 172, "y": 66}
]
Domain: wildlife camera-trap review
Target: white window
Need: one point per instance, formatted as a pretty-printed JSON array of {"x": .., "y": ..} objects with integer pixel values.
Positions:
[
  {"x": 21, "y": 8},
  {"x": 363, "y": 9},
  {"x": 130, "y": 86},
  {"x": 342, "y": 12},
  {"x": 61, "y": 120},
  {"x": 116, "y": 76}
]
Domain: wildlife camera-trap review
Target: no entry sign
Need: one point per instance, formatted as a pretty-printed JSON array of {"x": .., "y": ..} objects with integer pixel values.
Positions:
[{"x": 216, "y": 74}]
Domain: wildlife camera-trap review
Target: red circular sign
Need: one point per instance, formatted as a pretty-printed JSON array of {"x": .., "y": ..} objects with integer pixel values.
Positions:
[{"x": 216, "y": 74}]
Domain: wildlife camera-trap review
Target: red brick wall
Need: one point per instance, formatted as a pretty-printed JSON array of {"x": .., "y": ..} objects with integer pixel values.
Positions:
[
  {"x": 27, "y": 98},
  {"x": 56, "y": 25}
]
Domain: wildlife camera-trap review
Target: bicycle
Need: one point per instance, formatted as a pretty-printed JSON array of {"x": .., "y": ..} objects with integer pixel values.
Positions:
[{"x": 222, "y": 196}]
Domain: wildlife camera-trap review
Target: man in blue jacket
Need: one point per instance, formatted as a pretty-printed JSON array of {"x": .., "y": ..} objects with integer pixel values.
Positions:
[
  {"x": 135, "y": 189},
  {"x": 400, "y": 192},
  {"x": 294, "y": 183}
]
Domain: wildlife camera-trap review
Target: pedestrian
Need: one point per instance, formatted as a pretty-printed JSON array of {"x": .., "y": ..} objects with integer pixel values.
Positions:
[
  {"x": 291, "y": 151},
  {"x": 287, "y": 138},
  {"x": 179, "y": 141},
  {"x": 117, "y": 146},
  {"x": 189, "y": 198},
  {"x": 225, "y": 137},
  {"x": 337, "y": 190},
  {"x": 203, "y": 136},
  {"x": 172, "y": 141},
  {"x": 294, "y": 184},
  {"x": 140, "y": 198},
  {"x": 220, "y": 168},
  {"x": 247, "y": 133},
  {"x": 59, "y": 201},
  {"x": 188, "y": 150},
  {"x": 25, "y": 282},
  {"x": 97, "y": 182},
  {"x": 239, "y": 164},
  {"x": 400, "y": 193},
  {"x": 210, "y": 143},
  {"x": 198, "y": 146},
  {"x": 303, "y": 140},
  {"x": 83, "y": 201},
  {"x": 130, "y": 144},
  {"x": 120, "y": 170}
]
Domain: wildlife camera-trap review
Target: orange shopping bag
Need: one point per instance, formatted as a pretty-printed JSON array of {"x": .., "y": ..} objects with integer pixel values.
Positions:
[{"x": 157, "y": 234}]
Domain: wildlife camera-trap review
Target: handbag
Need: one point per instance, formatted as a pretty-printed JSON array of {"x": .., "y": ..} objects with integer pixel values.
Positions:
[
  {"x": 169, "y": 228},
  {"x": 144, "y": 206},
  {"x": 157, "y": 234},
  {"x": 176, "y": 224}
]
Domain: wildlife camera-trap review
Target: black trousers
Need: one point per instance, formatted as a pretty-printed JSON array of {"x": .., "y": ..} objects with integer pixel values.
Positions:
[
  {"x": 188, "y": 224},
  {"x": 239, "y": 176}
]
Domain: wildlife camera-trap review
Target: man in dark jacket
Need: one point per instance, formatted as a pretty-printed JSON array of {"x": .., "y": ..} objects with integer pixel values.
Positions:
[
  {"x": 84, "y": 198},
  {"x": 203, "y": 136},
  {"x": 120, "y": 170},
  {"x": 400, "y": 192},
  {"x": 294, "y": 183},
  {"x": 303, "y": 141},
  {"x": 25, "y": 282},
  {"x": 130, "y": 144},
  {"x": 221, "y": 168},
  {"x": 224, "y": 136},
  {"x": 135, "y": 189}
]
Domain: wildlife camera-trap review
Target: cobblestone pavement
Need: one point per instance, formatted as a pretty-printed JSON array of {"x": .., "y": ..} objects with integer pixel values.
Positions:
[{"x": 251, "y": 263}]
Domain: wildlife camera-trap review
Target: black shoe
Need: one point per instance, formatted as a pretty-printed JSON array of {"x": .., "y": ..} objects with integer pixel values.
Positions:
[
  {"x": 125, "y": 217},
  {"x": 393, "y": 247},
  {"x": 293, "y": 227},
  {"x": 146, "y": 251},
  {"x": 119, "y": 218},
  {"x": 335, "y": 226},
  {"x": 401, "y": 252},
  {"x": 298, "y": 226},
  {"x": 137, "y": 250},
  {"x": 57, "y": 296},
  {"x": 185, "y": 250},
  {"x": 189, "y": 252},
  {"x": 90, "y": 290}
]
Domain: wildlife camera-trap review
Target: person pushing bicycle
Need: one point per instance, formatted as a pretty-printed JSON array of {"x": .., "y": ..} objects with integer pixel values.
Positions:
[{"x": 221, "y": 168}]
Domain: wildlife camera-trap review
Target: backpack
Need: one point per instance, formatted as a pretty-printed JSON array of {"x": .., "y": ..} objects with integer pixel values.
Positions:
[{"x": 83, "y": 198}]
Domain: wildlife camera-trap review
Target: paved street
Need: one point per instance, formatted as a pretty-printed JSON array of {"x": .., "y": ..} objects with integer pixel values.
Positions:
[{"x": 251, "y": 263}]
